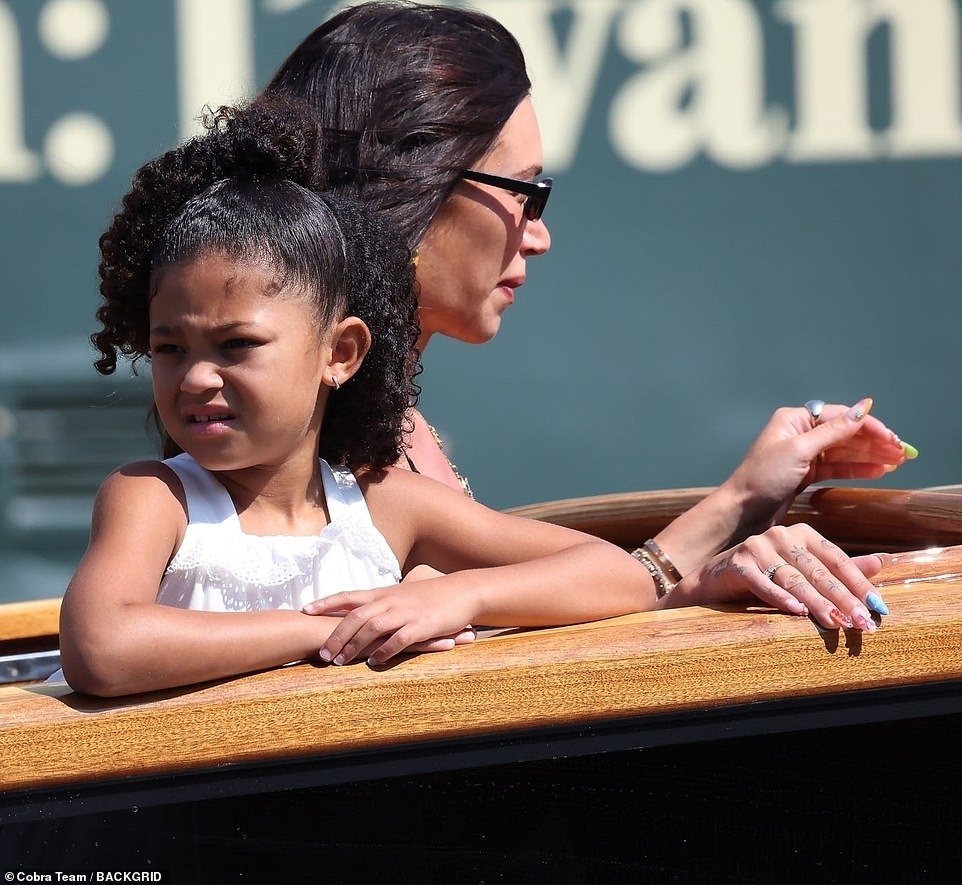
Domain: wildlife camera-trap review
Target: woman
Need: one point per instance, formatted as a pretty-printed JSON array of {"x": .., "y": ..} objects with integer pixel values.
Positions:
[{"x": 427, "y": 116}]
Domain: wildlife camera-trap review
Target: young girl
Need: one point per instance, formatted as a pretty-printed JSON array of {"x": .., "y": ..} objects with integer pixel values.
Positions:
[{"x": 279, "y": 325}]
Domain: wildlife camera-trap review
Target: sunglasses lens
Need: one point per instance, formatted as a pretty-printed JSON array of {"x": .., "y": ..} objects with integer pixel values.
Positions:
[
  {"x": 534, "y": 204},
  {"x": 537, "y": 194}
]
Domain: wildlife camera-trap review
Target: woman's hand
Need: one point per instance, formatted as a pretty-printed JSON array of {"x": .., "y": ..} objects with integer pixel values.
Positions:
[
  {"x": 792, "y": 451},
  {"x": 378, "y": 624},
  {"x": 796, "y": 570}
]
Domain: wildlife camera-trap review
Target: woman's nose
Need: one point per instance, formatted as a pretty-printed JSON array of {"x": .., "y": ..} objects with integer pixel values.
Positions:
[{"x": 537, "y": 238}]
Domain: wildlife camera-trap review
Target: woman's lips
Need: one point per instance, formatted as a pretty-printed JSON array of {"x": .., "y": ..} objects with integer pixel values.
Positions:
[{"x": 508, "y": 287}]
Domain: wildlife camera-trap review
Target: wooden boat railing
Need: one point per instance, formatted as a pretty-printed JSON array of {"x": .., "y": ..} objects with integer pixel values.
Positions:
[
  {"x": 29, "y": 634},
  {"x": 859, "y": 520},
  {"x": 632, "y": 679}
]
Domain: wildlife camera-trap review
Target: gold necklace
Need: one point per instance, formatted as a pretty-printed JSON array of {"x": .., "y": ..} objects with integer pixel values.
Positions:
[{"x": 465, "y": 485}]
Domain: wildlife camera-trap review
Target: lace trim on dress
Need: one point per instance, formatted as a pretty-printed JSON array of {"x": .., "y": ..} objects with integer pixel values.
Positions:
[{"x": 269, "y": 561}]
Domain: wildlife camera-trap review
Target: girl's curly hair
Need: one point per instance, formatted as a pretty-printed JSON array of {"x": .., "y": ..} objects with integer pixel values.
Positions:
[{"x": 251, "y": 188}]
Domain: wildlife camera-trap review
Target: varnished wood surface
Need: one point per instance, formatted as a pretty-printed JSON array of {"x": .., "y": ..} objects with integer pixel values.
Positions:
[
  {"x": 860, "y": 520},
  {"x": 633, "y": 666},
  {"x": 629, "y": 667},
  {"x": 29, "y": 620}
]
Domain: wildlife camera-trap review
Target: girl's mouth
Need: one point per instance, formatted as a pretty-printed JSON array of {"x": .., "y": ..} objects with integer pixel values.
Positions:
[{"x": 205, "y": 419}]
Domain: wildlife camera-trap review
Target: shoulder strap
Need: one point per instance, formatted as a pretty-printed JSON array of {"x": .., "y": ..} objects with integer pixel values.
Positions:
[
  {"x": 207, "y": 500},
  {"x": 343, "y": 494}
]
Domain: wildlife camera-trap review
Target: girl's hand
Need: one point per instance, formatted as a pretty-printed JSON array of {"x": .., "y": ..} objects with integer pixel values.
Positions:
[
  {"x": 796, "y": 570},
  {"x": 790, "y": 453},
  {"x": 381, "y": 623},
  {"x": 442, "y": 643}
]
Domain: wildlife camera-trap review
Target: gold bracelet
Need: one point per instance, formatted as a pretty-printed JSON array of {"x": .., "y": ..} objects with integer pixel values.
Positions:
[
  {"x": 663, "y": 584},
  {"x": 659, "y": 555}
]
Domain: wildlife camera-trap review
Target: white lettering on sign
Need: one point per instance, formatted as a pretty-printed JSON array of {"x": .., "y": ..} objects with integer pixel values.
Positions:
[
  {"x": 17, "y": 162},
  {"x": 705, "y": 96},
  {"x": 215, "y": 57},
  {"x": 563, "y": 78},
  {"x": 693, "y": 78},
  {"x": 832, "y": 80},
  {"x": 704, "y": 91}
]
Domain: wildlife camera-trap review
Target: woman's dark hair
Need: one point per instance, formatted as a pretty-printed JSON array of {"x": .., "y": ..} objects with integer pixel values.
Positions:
[
  {"x": 248, "y": 190},
  {"x": 406, "y": 95}
]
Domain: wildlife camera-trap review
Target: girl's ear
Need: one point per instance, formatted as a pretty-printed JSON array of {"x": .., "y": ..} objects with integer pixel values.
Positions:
[{"x": 350, "y": 342}]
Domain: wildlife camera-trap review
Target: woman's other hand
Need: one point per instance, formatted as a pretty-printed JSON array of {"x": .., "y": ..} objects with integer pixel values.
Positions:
[
  {"x": 794, "y": 449},
  {"x": 794, "y": 569}
]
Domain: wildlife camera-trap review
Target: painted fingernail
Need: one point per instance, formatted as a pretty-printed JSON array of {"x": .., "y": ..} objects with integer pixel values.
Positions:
[
  {"x": 860, "y": 409},
  {"x": 875, "y": 602},
  {"x": 911, "y": 453},
  {"x": 861, "y": 620},
  {"x": 841, "y": 620}
]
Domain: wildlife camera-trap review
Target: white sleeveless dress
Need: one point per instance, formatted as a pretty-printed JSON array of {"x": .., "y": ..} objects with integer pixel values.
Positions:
[{"x": 219, "y": 568}]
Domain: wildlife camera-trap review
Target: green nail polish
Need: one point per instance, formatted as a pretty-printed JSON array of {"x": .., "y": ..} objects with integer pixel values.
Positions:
[{"x": 911, "y": 453}]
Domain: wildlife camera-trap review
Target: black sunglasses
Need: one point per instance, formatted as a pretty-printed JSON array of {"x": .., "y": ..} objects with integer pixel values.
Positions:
[{"x": 536, "y": 192}]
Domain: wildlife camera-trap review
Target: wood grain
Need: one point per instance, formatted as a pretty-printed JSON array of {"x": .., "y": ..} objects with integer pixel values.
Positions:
[
  {"x": 29, "y": 620},
  {"x": 633, "y": 666},
  {"x": 656, "y": 662},
  {"x": 858, "y": 519}
]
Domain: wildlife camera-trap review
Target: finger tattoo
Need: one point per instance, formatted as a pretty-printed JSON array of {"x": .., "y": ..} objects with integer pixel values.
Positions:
[{"x": 800, "y": 554}]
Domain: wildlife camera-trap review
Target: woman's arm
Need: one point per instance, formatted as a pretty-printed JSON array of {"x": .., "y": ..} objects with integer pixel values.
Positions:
[
  {"x": 787, "y": 456},
  {"x": 115, "y": 639}
]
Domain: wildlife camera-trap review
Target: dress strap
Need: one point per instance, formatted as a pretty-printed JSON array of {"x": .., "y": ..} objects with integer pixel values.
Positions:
[
  {"x": 344, "y": 498},
  {"x": 207, "y": 500}
]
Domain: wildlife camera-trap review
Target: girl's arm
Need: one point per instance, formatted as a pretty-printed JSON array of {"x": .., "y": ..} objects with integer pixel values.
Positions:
[
  {"x": 507, "y": 571},
  {"x": 499, "y": 570},
  {"x": 116, "y": 639}
]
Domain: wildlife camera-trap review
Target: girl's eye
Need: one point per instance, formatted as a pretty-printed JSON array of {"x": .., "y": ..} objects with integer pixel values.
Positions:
[
  {"x": 238, "y": 344},
  {"x": 164, "y": 349}
]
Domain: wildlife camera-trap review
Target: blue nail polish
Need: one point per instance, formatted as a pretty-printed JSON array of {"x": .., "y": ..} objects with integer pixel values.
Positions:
[{"x": 875, "y": 602}]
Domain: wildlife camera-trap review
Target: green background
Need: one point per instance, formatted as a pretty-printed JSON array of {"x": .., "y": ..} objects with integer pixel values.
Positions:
[{"x": 690, "y": 290}]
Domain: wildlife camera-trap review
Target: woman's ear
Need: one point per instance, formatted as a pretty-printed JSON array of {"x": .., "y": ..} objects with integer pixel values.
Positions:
[{"x": 350, "y": 342}]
